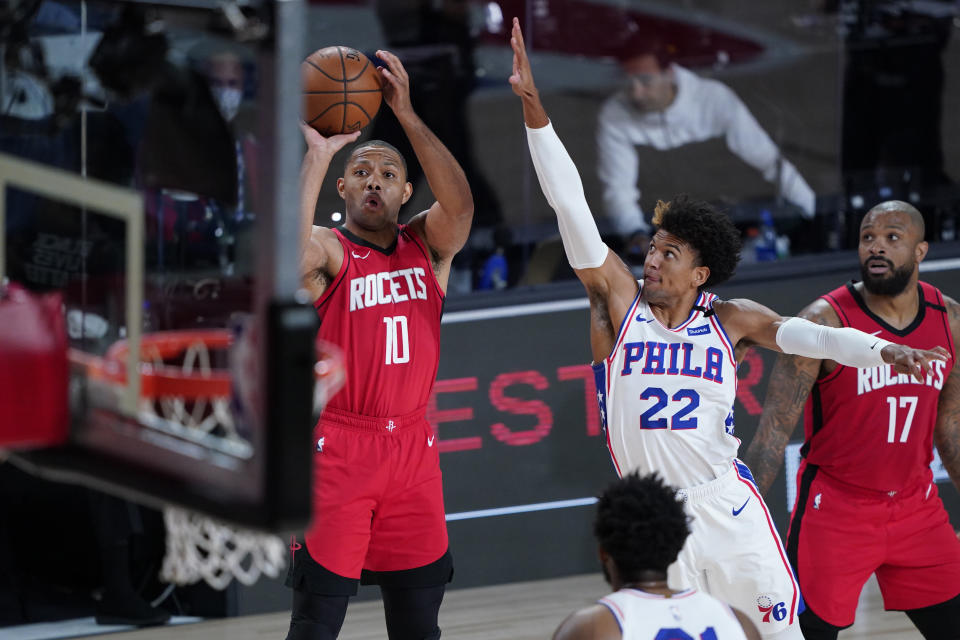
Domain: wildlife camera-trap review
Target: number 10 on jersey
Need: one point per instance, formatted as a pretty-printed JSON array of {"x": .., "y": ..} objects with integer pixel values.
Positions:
[{"x": 397, "y": 349}]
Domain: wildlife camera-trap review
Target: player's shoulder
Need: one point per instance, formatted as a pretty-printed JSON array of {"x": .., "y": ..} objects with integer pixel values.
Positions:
[
  {"x": 595, "y": 622},
  {"x": 820, "y": 311},
  {"x": 953, "y": 311},
  {"x": 323, "y": 234}
]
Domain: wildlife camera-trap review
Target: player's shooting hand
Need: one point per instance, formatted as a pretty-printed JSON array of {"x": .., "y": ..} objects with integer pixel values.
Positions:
[
  {"x": 521, "y": 81},
  {"x": 396, "y": 83},
  {"x": 914, "y": 362},
  {"x": 326, "y": 146}
]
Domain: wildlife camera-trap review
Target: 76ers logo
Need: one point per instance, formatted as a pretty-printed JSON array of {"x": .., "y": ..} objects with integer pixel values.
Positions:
[{"x": 767, "y": 608}]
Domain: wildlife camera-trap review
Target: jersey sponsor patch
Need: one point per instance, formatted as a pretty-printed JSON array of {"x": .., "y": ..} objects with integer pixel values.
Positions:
[{"x": 699, "y": 331}]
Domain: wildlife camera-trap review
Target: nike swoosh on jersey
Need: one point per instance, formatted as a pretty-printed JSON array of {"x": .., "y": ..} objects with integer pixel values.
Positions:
[
  {"x": 736, "y": 512},
  {"x": 361, "y": 257}
]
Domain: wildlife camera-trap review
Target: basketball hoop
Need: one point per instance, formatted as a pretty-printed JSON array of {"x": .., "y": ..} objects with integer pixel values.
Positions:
[
  {"x": 202, "y": 548},
  {"x": 209, "y": 405}
]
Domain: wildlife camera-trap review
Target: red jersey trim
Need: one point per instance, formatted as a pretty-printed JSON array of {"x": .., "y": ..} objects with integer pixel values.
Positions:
[
  {"x": 910, "y": 328},
  {"x": 404, "y": 229},
  {"x": 319, "y": 302},
  {"x": 943, "y": 318}
]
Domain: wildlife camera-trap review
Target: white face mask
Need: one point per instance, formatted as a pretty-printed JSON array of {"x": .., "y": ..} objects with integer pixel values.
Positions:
[{"x": 228, "y": 101}]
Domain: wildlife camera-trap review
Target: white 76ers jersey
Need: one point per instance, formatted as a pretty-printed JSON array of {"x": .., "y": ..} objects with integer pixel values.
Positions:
[
  {"x": 666, "y": 396},
  {"x": 691, "y": 614}
]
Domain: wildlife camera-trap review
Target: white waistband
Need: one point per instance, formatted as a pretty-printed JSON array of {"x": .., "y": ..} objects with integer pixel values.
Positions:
[{"x": 711, "y": 488}]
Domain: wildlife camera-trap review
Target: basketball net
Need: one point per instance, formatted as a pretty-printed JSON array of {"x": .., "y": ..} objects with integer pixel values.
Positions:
[
  {"x": 202, "y": 548},
  {"x": 216, "y": 408}
]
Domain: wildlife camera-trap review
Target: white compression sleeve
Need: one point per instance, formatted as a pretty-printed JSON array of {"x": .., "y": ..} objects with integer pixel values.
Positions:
[
  {"x": 561, "y": 185},
  {"x": 849, "y": 347}
]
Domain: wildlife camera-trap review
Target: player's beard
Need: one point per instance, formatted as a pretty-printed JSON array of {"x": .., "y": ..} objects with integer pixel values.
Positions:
[{"x": 891, "y": 284}]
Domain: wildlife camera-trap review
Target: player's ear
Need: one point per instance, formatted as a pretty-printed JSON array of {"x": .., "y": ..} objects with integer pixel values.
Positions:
[
  {"x": 920, "y": 251},
  {"x": 407, "y": 192},
  {"x": 340, "y": 188},
  {"x": 700, "y": 275}
]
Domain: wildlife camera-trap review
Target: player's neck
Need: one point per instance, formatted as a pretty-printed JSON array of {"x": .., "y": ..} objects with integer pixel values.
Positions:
[
  {"x": 672, "y": 312},
  {"x": 897, "y": 310},
  {"x": 383, "y": 237},
  {"x": 650, "y": 582}
]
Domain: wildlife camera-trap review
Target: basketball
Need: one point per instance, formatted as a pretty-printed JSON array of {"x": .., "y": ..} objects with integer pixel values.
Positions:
[{"x": 341, "y": 90}]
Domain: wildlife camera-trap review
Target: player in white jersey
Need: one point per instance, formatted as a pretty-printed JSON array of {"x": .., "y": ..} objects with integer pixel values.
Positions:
[
  {"x": 665, "y": 353},
  {"x": 640, "y": 527}
]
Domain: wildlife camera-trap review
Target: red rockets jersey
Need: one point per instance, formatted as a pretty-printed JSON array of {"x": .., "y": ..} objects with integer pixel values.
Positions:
[
  {"x": 873, "y": 428},
  {"x": 383, "y": 310}
]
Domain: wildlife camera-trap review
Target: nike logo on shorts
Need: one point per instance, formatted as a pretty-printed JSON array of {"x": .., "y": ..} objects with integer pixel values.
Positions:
[
  {"x": 430, "y": 441},
  {"x": 736, "y": 512}
]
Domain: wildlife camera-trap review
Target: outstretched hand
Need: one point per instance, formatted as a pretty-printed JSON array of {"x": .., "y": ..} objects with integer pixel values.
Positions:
[
  {"x": 914, "y": 362},
  {"x": 396, "y": 83},
  {"x": 328, "y": 146},
  {"x": 521, "y": 81}
]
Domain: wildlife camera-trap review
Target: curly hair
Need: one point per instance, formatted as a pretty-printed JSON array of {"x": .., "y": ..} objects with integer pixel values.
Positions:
[
  {"x": 641, "y": 524},
  {"x": 708, "y": 231}
]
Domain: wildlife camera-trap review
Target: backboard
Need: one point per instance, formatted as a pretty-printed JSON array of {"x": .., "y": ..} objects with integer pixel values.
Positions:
[{"x": 148, "y": 172}]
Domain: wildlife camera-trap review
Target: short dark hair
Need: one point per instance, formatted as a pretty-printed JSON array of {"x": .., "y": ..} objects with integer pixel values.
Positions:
[
  {"x": 645, "y": 42},
  {"x": 705, "y": 229},
  {"x": 376, "y": 143},
  {"x": 641, "y": 524}
]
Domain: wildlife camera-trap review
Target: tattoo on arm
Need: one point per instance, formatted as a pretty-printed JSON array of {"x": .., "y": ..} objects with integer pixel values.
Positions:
[
  {"x": 789, "y": 385},
  {"x": 946, "y": 434}
]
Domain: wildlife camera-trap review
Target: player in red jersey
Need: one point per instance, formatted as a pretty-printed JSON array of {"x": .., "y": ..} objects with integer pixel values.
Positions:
[
  {"x": 378, "y": 287},
  {"x": 866, "y": 499}
]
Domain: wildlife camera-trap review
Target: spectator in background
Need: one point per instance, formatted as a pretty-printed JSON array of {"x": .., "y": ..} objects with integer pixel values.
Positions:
[
  {"x": 225, "y": 72},
  {"x": 666, "y": 106},
  {"x": 199, "y": 197}
]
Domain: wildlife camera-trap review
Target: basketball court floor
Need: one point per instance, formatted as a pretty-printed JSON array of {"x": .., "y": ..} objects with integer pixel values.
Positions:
[{"x": 519, "y": 611}]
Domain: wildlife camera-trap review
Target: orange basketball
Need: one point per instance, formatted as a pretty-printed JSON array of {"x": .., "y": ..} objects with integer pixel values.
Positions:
[{"x": 341, "y": 90}]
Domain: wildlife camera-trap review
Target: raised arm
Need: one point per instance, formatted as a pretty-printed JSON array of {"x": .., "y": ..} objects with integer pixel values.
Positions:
[
  {"x": 445, "y": 226},
  {"x": 946, "y": 433},
  {"x": 610, "y": 284},
  {"x": 320, "y": 252},
  {"x": 761, "y": 326},
  {"x": 789, "y": 385}
]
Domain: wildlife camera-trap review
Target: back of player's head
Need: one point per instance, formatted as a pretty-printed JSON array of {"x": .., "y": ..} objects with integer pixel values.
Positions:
[
  {"x": 380, "y": 144},
  {"x": 641, "y": 524},
  {"x": 708, "y": 231}
]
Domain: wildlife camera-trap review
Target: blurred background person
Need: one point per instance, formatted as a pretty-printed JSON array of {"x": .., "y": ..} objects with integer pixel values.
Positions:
[{"x": 665, "y": 106}]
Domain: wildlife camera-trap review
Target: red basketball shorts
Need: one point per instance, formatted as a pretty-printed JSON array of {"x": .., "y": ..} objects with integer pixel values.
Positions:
[
  {"x": 840, "y": 534},
  {"x": 377, "y": 494}
]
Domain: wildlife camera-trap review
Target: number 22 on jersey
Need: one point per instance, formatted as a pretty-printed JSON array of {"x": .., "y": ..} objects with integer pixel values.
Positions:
[{"x": 687, "y": 399}]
